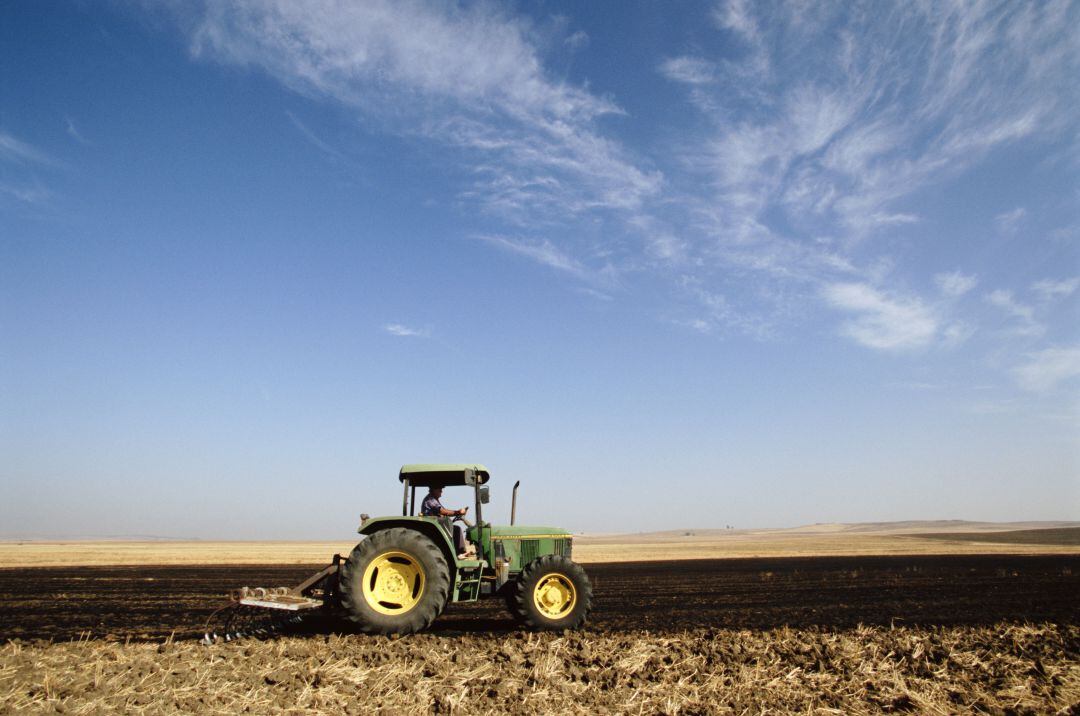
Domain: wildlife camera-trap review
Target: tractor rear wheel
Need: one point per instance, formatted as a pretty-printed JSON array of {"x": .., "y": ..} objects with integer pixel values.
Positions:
[
  {"x": 394, "y": 582},
  {"x": 553, "y": 593}
]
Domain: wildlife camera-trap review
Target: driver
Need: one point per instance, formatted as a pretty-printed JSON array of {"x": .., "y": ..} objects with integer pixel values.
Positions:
[{"x": 431, "y": 507}]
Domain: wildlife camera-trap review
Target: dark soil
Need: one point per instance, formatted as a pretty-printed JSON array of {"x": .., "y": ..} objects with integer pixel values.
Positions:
[
  {"x": 141, "y": 603},
  {"x": 1058, "y": 536}
]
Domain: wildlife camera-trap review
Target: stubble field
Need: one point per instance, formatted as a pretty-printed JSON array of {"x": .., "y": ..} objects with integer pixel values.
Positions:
[
  {"x": 851, "y": 634},
  {"x": 925, "y": 538}
]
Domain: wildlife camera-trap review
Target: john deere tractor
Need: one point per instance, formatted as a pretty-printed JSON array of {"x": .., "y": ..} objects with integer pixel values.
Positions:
[{"x": 406, "y": 570}]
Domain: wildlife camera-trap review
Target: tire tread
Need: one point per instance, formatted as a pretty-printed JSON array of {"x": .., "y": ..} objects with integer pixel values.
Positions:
[
  {"x": 519, "y": 600},
  {"x": 436, "y": 582}
]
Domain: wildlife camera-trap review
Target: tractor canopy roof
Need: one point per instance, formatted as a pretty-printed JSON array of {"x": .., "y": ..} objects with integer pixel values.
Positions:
[{"x": 447, "y": 475}]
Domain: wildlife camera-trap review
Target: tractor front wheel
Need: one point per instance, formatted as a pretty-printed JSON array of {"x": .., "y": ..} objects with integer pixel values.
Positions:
[
  {"x": 553, "y": 593},
  {"x": 394, "y": 582}
]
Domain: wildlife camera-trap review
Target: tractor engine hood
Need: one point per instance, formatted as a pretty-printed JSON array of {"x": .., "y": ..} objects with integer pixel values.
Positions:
[{"x": 527, "y": 532}]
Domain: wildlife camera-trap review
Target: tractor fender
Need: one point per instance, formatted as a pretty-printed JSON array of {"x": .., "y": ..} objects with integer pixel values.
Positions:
[{"x": 428, "y": 528}]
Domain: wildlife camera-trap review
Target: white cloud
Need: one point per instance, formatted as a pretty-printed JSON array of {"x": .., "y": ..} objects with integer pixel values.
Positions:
[
  {"x": 1047, "y": 368},
  {"x": 736, "y": 16},
  {"x": 1023, "y": 315},
  {"x": 1009, "y": 221},
  {"x": 466, "y": 76},
  {"x": 698, "y": 325},
  {"x": 881, "y": 218},
  {"x": 20, "y": 164},
  {"x": 33, "y": 193},
  {"x": 810, "y": 148},
  {"x": 955, "y": 283},
  {"x": 858, "y": 126},
  {"x": 577, "y": 40},
  {"x": 815, "y": 114},
  {"x": 74, "y": 133},
  {"x": 956, "y": 333},
  {"x": 467, "y": 55},
  {"x": 315, "y": 139},
  {"x": 13, "y": 149},
  {"x": 665, "y": 246},
  {"x": 720, "y": 312},
  {"x": 542, "y": 251},
  {"x": 593, "y": 293},
  {"x": 884, "y": 322},
  {"x": 1049, "y": 289},
  {"x": 397, "y": 329},
  {"x": 688, "y": 70},
  {"x": 661, "y": 243}
]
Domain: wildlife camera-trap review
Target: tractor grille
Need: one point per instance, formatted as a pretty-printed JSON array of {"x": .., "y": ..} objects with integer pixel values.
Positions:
[{"x": 530, "y": 548}]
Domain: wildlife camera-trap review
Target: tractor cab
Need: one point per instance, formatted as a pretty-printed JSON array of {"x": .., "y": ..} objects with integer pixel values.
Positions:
[
  {"x": 438, "y": 477},
  {"x": 427, "y": 477}
]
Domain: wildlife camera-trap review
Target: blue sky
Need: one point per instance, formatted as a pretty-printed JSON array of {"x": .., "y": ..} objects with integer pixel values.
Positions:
[{"x": 751, "y": 264}]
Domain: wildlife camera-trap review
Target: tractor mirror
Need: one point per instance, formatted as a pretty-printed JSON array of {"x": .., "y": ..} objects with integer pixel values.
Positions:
[
  {"x": 485, "y": 496},
  {"x": 470, "y": 476}
]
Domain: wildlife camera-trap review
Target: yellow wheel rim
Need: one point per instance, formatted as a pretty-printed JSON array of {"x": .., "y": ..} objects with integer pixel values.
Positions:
[
  {"x": 555, "y": 596},
  {"x": 393, "y": 583}
]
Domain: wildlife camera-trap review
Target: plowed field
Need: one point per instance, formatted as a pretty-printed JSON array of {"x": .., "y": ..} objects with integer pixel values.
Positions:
[
  {"x": 154, "y": 602},
  {"x": 854, "y": 635}
]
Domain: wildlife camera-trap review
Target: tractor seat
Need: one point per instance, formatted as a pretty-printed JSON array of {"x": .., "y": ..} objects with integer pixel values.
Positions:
[{"x": 445, "y": 522}]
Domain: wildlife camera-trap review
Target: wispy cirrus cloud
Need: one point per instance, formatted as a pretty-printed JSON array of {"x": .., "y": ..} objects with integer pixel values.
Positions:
[
  {"x": 577, "y": 40},
  {"x": 31, "y": 193},
  {"x": 315, "y": 140},
  {"x": 1022, "y": 315},
  {"x": 542, "y": 251},
  {"x": 955, "y": 283},
  {"x": 816, "y": 148},
  {"x": 1009, "y": 221},
  {"x": 850, "y": 130},
  {"x": 13, "y": 149},
  {"x": 689, "y": 70},
  {"x": 882, "y": 321},
  {"x": 816, "y": 126},
  {"x": 1046, "y": 369},
  {"x": 465, "y": 76},
  {"x": 73, "y": 132},
  {"x": 403, "y": 331},
  {"x": 1049, "y": 289},
  {"x": 20, "y": 165}
]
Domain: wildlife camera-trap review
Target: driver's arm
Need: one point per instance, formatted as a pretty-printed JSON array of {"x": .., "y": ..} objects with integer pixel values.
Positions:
[{"x": 450, "y": 513}]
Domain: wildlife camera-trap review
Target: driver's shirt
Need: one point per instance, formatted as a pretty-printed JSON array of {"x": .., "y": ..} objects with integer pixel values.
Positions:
[{"x": 431, "y": 507}]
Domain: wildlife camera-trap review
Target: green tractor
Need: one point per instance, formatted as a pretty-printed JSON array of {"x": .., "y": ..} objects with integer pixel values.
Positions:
[{"x": 406, "y": 570}]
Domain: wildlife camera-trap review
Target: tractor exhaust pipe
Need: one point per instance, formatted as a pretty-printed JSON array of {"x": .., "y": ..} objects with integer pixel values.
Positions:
[{"x": 513, "y": 502}]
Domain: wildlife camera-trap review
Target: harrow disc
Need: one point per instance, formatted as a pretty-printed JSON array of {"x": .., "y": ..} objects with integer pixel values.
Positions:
[{"x": 237, "y": 621}]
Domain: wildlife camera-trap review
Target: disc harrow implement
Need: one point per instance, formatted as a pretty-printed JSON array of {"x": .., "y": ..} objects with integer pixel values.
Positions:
[
  {"x": 238, "y": 622},
  {"x": 265, "y": 611}
]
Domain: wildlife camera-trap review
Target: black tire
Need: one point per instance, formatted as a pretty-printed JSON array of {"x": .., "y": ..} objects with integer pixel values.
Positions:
[
  {"x": 400, "y": 554},
  {"x": 509, "y": 595},
  {"x": 565, "y": 577}
]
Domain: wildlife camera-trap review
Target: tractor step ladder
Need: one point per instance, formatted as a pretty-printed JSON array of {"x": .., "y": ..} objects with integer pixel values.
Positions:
[{"x": 470, "y": 577}]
